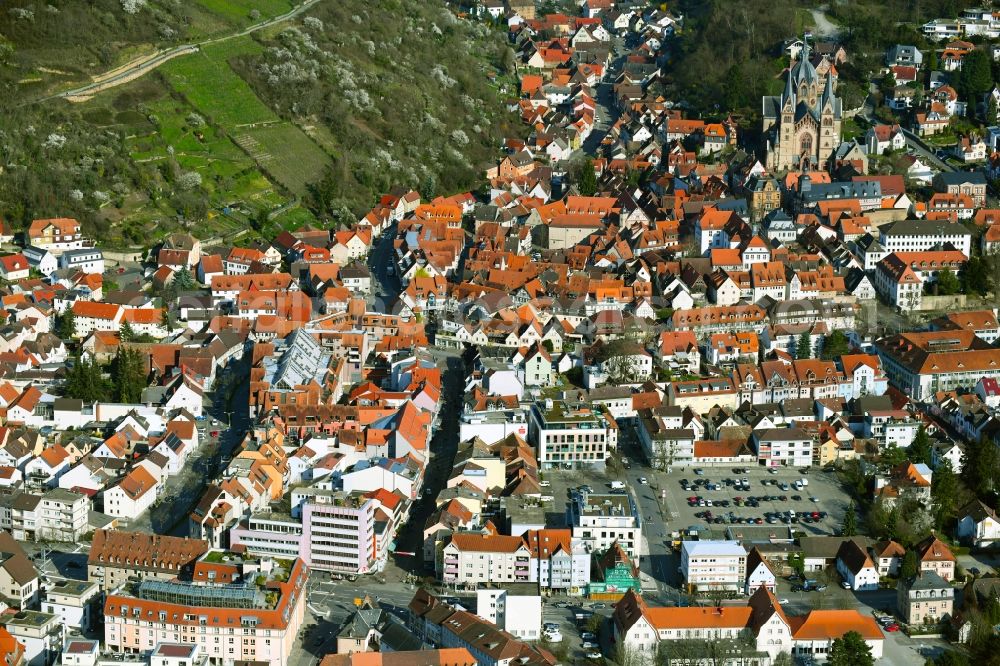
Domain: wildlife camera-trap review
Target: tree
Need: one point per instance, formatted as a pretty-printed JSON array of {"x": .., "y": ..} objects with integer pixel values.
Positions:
[
  {"x": 920, "y": 450},
  {"x": 932, "y": 60},
  {"x": 85, "y": 381},
  {"x": 946, "y": 491},
  {"x": 126, "y": 333},
  {"x": 981, "y": 466},
  {"x": 183, "y": 280},
  {"x": 947, "y": 283},
  {"x": 975, "y": 277},
  {"x": 587, "y": 179},
  {"x": 975, "y": 78},
  {"x": 850, "y": 525},
  {"x": 835, "y": 345},
  {"x": 128, "y": 375},
  {"x": 66, "y": 327},
  {"x": 951, "y": 658},
  {"x": 910, "y": 566},
  {"x": 508, "y": 60},
  {"x": 892, "y": 455},
  {"x": 850, "y": 650},
  {"x": 991, "y": 111},
  {"x": 803, "y": 347}
]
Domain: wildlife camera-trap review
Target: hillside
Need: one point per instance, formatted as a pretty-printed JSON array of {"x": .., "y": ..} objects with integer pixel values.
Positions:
[
  {"x": 311, "y": 117},
  {"x": 729, "y": 54}
]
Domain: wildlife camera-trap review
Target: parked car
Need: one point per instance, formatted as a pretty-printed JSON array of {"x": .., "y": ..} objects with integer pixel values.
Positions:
[
  {"x": 593, "y": 654},
  {"x": 892, "y": 627}
]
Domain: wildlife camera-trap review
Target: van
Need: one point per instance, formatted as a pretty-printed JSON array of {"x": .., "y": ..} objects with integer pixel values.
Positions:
[{"x": 617, "y": 485}]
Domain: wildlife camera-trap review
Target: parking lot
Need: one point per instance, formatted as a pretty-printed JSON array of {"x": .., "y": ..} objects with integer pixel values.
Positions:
[{"x": 720, "y": 496}]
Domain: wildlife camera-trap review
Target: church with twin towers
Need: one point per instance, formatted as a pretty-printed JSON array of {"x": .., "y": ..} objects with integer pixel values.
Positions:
[{"x": 802, "y": 125}]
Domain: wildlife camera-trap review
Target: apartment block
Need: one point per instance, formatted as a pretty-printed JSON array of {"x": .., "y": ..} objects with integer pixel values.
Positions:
[
  {"x": 599, "y": 520},
  {"x": 571, "y": 435},
  {"x": 713, "y": 565},
  {"x": 254, "y": 616},
  {"x": 116, "y": 556}
]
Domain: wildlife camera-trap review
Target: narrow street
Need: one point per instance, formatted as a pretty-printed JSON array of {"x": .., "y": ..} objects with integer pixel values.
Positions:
[
  {"x": 169, "y": 515},
  {"x": 444, "y": 445}
]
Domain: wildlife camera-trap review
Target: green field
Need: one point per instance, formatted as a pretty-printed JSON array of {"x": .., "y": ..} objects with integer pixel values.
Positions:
[
  {"x": 238, "y": 11},
  {"x": 286, "y": 153},
  {"x": 210, "y": 84}
]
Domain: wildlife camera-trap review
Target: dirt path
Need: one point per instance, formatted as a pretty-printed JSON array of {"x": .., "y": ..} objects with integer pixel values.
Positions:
[
  {"x": 824, "y": 26},
  {"x": 143, "y": 65}
]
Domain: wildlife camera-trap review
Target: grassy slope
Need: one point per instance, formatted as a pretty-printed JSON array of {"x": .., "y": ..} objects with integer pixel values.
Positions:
[{"x": 255, "y": 153}]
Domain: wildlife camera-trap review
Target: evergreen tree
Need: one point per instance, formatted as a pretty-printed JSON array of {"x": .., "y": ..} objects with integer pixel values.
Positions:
[
  {"x": 975, "y": 276},
  {"x": 850, "y": 650},
  {"x": 850, "y": 526},
  {"x": 835, "y": 345},
  {"x": 129, "y": 375},
  {"x": 85, "y": 381},
  {"x": 803, "y": 347},
  {"x": 981, "y": 466},
  {"x": 587, "y": 180},
  {"x": 66, "y": 327},
  {"x": 947, "y": 493},
  {"x": 991, "y": 111},
  {"x": 920, "y": 450},
  {"x": 975, "y": 78},
  {"x": 126, "y": 333},
  {"x": 183, "y": 280},
  {"x": 909, "y": 567},
  {"x": 947, "y": 283}
]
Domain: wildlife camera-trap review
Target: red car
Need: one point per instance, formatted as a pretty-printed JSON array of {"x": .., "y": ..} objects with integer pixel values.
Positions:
[
  {"x": 892, "y": 627},
  {"x": 214, "y": 433}
]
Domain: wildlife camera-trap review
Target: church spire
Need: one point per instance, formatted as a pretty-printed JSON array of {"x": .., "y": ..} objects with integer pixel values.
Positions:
[
  {"x": 788, "y": 98},
  {"x": 827, "y": 100}
]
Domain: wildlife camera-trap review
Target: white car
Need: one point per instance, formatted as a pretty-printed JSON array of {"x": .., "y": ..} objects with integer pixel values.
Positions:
[
  {"x": 784, "y": 601},
  {"x": 845, "y": 585},
  {"x": 553, "y": 636},
  {"x": 594, "y": 654},
  {"x": 642, "y": 480},
  {"x": 587, "y": 645}
]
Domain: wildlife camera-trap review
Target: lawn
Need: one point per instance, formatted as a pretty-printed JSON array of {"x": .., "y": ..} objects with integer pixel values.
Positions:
[
  {"x": 238, "y": 11},
  {"x": 285, "y": 153},
  {"x": 214, "y": 89}
]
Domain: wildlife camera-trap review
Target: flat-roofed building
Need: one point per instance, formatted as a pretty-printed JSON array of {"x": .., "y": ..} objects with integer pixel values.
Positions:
[{"x": 570, "y": 434}]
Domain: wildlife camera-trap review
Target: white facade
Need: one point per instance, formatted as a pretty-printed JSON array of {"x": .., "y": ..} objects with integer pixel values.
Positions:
[
  {"x": 600, "y": 520},
  {"x": 520, "y": 615},
  {"x": 714, "y": 565},
  {"x": 87, "y": 260}
]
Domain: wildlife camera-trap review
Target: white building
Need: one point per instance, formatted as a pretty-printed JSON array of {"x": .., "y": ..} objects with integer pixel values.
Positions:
[
  {"x": 520, "y": 615},
  {"x": 714, "y": 565},
  {"x": 75, "y": 602},
  {"x": 856, "y": 567},
  {"x": 599, "y": 520},
  {"x": 474, "y": 559},
  {"x": 571, "y": 435},
  {"x": 87, "y": 260},
  {"x": 978, "y": 525},
  {"x": 922, "y": 235},
  {"x": 783, "y": 446},
  {"x": 133, "y": 495}
]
